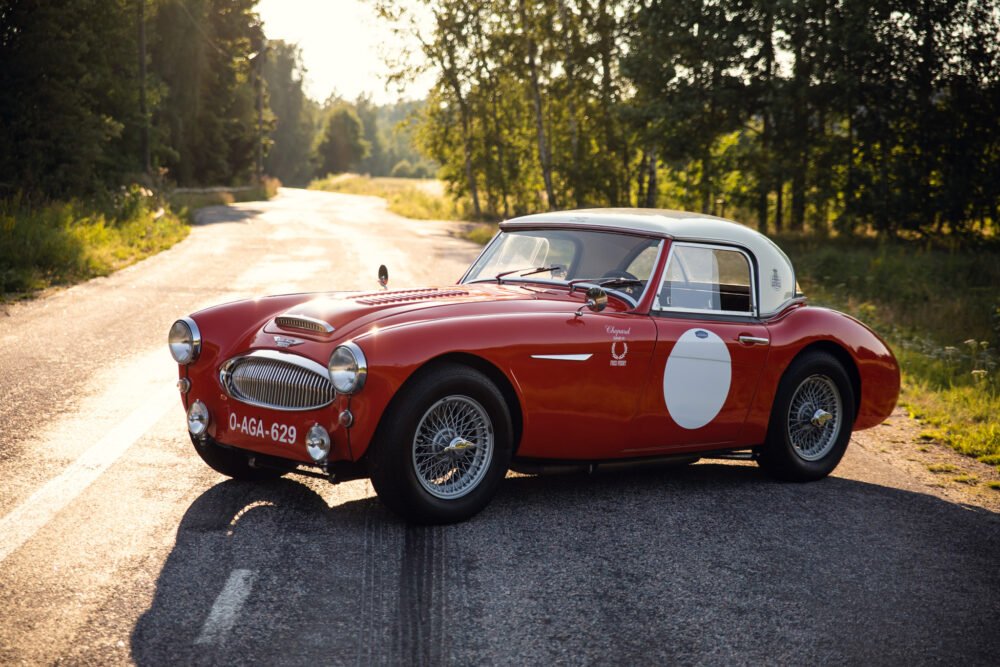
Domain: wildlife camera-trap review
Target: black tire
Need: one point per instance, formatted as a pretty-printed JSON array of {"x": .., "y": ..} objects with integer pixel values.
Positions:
[
  {"x": 436, "y": 490},
  {"x": 231, "y": 462},
  {"x": 799, "y": 448}
]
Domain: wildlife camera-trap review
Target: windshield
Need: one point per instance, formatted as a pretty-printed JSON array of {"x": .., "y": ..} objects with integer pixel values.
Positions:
[{"x": 617, "y": 262}]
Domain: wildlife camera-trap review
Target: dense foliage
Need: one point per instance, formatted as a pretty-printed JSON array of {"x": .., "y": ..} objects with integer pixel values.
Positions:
[
  {"x": 797, "y": 113},
  {"x": 72, "y": 116}
]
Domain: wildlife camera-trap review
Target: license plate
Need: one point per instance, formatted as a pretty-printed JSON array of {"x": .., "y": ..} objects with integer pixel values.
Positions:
[{"x": 258, "y": 428}]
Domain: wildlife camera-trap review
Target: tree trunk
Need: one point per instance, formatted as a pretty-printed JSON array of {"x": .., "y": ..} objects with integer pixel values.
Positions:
[
  {"x": 779, "y": 205},
  {"x": 651, "y": 189},
  {"x": 607, "y": 101},
  {"x": 706, "y": 181},
  {"x": 574, "y": 125},
  {"x": 544, "y": 156},
  {"x": 469, "y": 175}
]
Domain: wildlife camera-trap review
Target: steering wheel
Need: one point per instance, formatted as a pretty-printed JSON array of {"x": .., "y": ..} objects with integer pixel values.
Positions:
[{"x": 624, "y": 282}]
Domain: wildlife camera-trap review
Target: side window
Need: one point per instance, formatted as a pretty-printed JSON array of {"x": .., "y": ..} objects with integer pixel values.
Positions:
[{"x": 706, "y": 278}]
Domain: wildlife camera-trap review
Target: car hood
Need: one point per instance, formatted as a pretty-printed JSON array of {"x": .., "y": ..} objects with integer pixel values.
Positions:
[{"x": 345, "y": 313}]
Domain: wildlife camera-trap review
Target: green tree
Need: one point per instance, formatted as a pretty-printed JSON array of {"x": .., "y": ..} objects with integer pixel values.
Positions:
[
  {"x": 343, "y": 145},
  {"x": 68, "y": 99},
  {"x": 295, "y": 116},
  {"x": 202, "y": 50}
]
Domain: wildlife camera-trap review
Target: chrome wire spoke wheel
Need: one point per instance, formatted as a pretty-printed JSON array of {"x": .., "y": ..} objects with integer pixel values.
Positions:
[
  {"x": 814, "y": 419},
  {"x": 453, "y": 447}
]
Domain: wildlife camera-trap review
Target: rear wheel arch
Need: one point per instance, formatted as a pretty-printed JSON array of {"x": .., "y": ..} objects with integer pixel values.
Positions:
[{"x": 846, "y": 361}]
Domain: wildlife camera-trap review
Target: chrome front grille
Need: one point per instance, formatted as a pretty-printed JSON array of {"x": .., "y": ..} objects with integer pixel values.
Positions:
[{"x": 277, "y": 380}]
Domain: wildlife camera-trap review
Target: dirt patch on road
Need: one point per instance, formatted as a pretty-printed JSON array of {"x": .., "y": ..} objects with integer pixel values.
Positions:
[{"x": 940, "y": 469}]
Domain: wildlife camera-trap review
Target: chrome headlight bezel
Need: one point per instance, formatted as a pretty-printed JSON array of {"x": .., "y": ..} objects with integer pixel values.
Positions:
[
  {"x": 348, "y": 368},
  {"x": 184, "y": 341}
]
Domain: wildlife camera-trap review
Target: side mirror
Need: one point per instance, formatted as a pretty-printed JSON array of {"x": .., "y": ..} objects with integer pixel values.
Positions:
[
  {"x": 383, "y": 276},
  {"x": 597, "y": 300}
]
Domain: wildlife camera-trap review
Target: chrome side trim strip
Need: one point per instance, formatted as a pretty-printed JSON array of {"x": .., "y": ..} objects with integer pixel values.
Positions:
[{"x": 563, "y": 357}]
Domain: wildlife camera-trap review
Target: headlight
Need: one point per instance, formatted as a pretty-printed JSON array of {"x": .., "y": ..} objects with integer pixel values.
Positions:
[
  {"x": 348, "y": 368},
  {"x": 184, "y": 340}
]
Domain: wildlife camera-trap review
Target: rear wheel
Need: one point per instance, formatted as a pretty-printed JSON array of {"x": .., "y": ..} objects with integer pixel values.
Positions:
[
  {"x": 443, "y": 448},
  {"x": 811, "y": 420},
  {"x": 231, "y": 462}
]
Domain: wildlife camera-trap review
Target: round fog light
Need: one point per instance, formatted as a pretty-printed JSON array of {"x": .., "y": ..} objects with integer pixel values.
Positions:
[
  {"x": 198, "y": 419},
  {"x": 318, "y": 443}
]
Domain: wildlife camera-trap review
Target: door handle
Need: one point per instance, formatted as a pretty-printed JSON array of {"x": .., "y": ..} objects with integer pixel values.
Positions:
[{"x": 753, "y": 340}]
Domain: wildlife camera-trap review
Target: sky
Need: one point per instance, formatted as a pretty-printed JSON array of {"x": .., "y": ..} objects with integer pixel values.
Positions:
[{"x": 343, "y": 43}]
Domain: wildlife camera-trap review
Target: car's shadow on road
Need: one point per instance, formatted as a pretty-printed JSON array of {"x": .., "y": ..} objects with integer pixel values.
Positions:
[{"x": 710, "y": 563}]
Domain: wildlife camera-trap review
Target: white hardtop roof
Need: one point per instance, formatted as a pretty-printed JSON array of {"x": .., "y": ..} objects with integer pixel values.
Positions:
[
  {"x": 775, "y": 268},
  {"x": 680, "y": 225}
]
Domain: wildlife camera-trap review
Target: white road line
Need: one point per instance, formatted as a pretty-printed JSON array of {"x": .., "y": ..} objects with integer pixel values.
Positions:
[
  {"x": 223, "y": 615},
  {"x": 38, "y": 509}
]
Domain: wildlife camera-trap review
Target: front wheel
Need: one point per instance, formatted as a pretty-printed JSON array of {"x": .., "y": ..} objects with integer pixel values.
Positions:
[
  {"x": 443, "y": 448},
  {"x": 811, "y": 420}
]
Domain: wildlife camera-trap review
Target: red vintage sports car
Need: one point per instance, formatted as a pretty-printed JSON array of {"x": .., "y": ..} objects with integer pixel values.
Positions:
[{"x": 575, "y": 339}]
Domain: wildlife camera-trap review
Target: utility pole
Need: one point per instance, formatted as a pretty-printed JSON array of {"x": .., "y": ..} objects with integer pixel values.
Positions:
[{"x": 141, "y": 27}]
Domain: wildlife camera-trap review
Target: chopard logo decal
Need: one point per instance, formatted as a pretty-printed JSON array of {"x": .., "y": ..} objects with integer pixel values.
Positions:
[
  {"x": 619, "y": 346},
  {"x": 775, "y": 280},
  {"x": 284, "y": 341}
]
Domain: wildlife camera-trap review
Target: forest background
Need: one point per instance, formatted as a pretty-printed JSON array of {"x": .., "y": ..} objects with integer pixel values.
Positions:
[{"x": 863, "y": 134}]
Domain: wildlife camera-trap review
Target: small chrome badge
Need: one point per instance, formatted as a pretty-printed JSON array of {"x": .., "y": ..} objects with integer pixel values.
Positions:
[{"x": 284, "y": 341}]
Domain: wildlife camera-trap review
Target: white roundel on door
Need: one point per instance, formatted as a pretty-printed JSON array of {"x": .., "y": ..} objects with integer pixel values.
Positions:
[{"x": 697, "y": 377}]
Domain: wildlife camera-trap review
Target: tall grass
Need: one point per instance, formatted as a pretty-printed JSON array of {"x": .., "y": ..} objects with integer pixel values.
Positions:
[
  {"x": 63, "y": 242},
  {"x": 939, "y": 309},
  {"x": 420, "y": 199}
]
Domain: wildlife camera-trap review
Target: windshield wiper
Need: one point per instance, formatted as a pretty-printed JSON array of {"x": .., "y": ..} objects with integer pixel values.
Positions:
[
  {"x": 620, "y": 281},
  {"x": 530, "y": 272}
]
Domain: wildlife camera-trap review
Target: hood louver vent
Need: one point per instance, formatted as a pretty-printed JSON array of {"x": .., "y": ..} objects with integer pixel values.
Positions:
[
  {"x": 404, "y": 296},
  {"x": 304, "y": 323}
]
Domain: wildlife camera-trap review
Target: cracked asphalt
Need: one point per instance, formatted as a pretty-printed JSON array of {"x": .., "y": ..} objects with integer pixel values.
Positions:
[{"x": 117, "y": 545}]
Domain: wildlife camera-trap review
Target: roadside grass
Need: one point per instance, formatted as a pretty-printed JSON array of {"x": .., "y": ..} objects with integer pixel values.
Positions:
[
  {"x": 939, "y": 310},
  {"x": 60, "y": 243},
  {"x": 417, "y": 198}
]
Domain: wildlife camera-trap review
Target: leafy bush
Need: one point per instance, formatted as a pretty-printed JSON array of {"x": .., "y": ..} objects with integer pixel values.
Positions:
[{"x": 63, "y": 242}]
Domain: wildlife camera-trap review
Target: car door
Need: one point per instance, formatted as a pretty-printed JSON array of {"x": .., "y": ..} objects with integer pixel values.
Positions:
[
  {"x": 581, "y": 379},
  {"x": 709, "y": 353}
]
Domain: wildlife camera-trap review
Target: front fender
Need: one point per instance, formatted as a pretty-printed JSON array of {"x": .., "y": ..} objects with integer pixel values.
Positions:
[{"x": 395, "y": 353}]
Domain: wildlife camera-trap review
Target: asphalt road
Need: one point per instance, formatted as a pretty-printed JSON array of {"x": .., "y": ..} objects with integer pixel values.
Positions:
[{"x": 118, "y": 545}]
